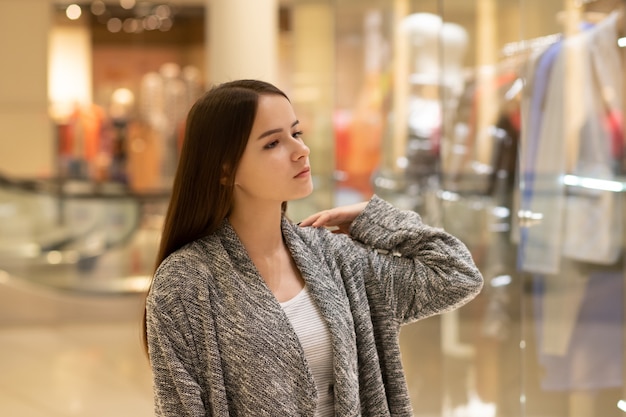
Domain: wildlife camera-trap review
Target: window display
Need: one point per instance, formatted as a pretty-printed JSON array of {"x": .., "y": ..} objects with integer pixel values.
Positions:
[{"x": 502, "y": 121}]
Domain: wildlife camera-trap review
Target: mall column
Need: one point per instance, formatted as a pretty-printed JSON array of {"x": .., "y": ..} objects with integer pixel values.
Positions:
[
  {"x": 27, "y": 137},
  {"x": 242, "y": 39}
]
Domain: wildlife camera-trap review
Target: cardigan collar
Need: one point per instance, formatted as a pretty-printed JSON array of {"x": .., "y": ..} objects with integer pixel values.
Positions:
[{"x": 327, "y": 291}]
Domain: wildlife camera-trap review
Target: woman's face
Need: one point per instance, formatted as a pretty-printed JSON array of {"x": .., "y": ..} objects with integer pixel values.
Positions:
[{"x": 275, "y": 164}]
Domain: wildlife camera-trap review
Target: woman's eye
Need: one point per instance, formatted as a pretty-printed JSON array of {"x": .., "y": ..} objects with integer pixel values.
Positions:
[
  {"x": 271, "y": 145},
  {"x": 297, "y": 135}
]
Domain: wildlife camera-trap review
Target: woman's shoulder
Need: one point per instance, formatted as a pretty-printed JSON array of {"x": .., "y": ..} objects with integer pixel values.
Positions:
[
  {"x": 188, "y": 266},
  {"x": 309, "y": 236},
  {"x": 191, "y": 254}
]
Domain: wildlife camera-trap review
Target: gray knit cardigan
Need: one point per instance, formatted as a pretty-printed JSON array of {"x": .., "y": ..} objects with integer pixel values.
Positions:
[{"x": 221, "y": 345}]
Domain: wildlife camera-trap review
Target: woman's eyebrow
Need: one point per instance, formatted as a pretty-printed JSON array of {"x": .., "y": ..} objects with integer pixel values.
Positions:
[{"x": 272, "y": 131}]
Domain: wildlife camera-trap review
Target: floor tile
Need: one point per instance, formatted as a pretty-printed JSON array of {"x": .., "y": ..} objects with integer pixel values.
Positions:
[{"x": 74, "y": 370}]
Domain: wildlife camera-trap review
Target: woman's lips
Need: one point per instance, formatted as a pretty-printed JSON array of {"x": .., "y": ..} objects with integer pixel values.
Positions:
[{"x": 303, "y": 173}]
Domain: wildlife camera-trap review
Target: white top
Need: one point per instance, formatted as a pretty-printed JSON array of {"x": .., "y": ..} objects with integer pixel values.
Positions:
[{"x": 315, "y": 340}]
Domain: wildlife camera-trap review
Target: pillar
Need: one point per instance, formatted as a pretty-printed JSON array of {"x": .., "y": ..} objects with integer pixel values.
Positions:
[
  {"x": 27, "y": 135},
  {"x": 242, "y": 39}
]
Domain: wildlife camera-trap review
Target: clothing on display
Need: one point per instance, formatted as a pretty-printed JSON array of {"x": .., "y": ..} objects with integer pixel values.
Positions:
[
  {"x": 165, "y": 98},
  {"x": 571, "y": 126},
  {"x": 572, "y": 138},
  {"x": 565, "y": 120}
]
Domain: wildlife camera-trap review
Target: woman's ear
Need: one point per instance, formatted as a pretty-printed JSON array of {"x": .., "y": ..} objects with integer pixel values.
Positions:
[{"x": 225, "y": 176}]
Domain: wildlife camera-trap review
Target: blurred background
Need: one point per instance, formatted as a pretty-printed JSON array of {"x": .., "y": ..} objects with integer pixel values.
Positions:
[{"x": 498, "y": 120}]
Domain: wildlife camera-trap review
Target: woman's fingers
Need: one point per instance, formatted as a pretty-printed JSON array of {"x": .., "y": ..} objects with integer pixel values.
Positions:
[{"x": 341, "y": 217}]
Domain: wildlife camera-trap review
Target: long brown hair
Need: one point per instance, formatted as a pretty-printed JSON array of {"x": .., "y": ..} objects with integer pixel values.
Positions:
[{"x": 216, "y": 133}]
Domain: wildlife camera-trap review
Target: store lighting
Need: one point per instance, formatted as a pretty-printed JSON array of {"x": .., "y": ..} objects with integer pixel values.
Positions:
[
  {"x": 73, "y": 12},
  {"x": 166, "y": 24},
  {"x": 621, "y": 404},
  {"x": 593, "y": 183},
  {"x": 127, "y": 4},
  {"x": 129, "y": 16},
  {"x": 621, "y": 42},
  {"x": 151, "y": 23},
  {"x": 54, "y": 257},
  {"x": 98, "y": 8},
  {"x": 402, "y": 162},
  {"x": 163, "y": 11},
  {"x": 131, "y": 25},
  {"x": 114, "y": 25},
  {"x": 500, "y": 281},
  {"x": 69, "y": 70}
]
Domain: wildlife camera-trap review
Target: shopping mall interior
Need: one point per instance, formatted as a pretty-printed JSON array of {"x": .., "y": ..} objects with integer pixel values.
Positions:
[{"x": 437, "y": 106}]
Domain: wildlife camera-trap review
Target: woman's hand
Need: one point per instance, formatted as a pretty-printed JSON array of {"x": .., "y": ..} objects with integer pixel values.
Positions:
[{"x": 337, "y": 219}]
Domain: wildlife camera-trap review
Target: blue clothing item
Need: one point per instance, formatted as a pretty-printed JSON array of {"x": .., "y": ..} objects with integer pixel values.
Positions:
[
  {"x": 594, "y": 359},
  {"x": 541, "y": 78}
]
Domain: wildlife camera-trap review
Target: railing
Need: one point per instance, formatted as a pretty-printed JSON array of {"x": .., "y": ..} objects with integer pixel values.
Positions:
[{"x": 79, "y": 236}]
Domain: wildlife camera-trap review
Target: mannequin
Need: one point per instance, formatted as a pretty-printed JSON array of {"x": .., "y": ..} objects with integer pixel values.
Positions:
[
  {"x": 437, "y": 50},
  {"x": 436, "y": 81}
]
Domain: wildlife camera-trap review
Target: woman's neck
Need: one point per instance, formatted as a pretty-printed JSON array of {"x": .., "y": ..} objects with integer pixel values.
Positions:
[
  {"x": 261, "y": 235},
  {"x": 259, "y": 230}
]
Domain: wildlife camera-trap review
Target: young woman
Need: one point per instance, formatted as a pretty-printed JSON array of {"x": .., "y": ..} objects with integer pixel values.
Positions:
[{"x": 250, "y": 314}]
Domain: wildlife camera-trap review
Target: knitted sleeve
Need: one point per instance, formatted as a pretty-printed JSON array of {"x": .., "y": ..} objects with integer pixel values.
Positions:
[{"x": 417, "y": 270}]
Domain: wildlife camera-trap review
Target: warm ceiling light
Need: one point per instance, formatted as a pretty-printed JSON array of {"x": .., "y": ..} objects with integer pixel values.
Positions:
[
  {"x": 114, "y": 25},
  {"x": 131, "y": 25},
  {"x": 163, "y": 11},
  {"x": 98, "y": 7},
  {"x": 73, "y": 11},
  {"x": 151, "y": 22},
  {"x": 127, "y": 4},
  {"x": 165, "y": 24}
]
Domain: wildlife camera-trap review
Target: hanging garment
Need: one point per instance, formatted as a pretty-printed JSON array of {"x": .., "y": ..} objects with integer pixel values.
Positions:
[
  {"x": 573, "y": 139},
  {"x": 593, "y": 218},
  {"x": 573, "y": 119}
]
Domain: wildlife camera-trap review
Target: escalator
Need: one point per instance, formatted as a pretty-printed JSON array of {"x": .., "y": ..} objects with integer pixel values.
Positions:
[{"x": 75, "y": 242}]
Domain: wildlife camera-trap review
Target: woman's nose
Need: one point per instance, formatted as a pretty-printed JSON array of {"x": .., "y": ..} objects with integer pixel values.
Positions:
[{"x": 301, "y": 150}]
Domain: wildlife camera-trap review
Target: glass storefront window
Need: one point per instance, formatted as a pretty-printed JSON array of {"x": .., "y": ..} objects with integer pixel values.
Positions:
[
  {"x": 499, "y": 121},
  {"x": 570, "y": 241}
]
